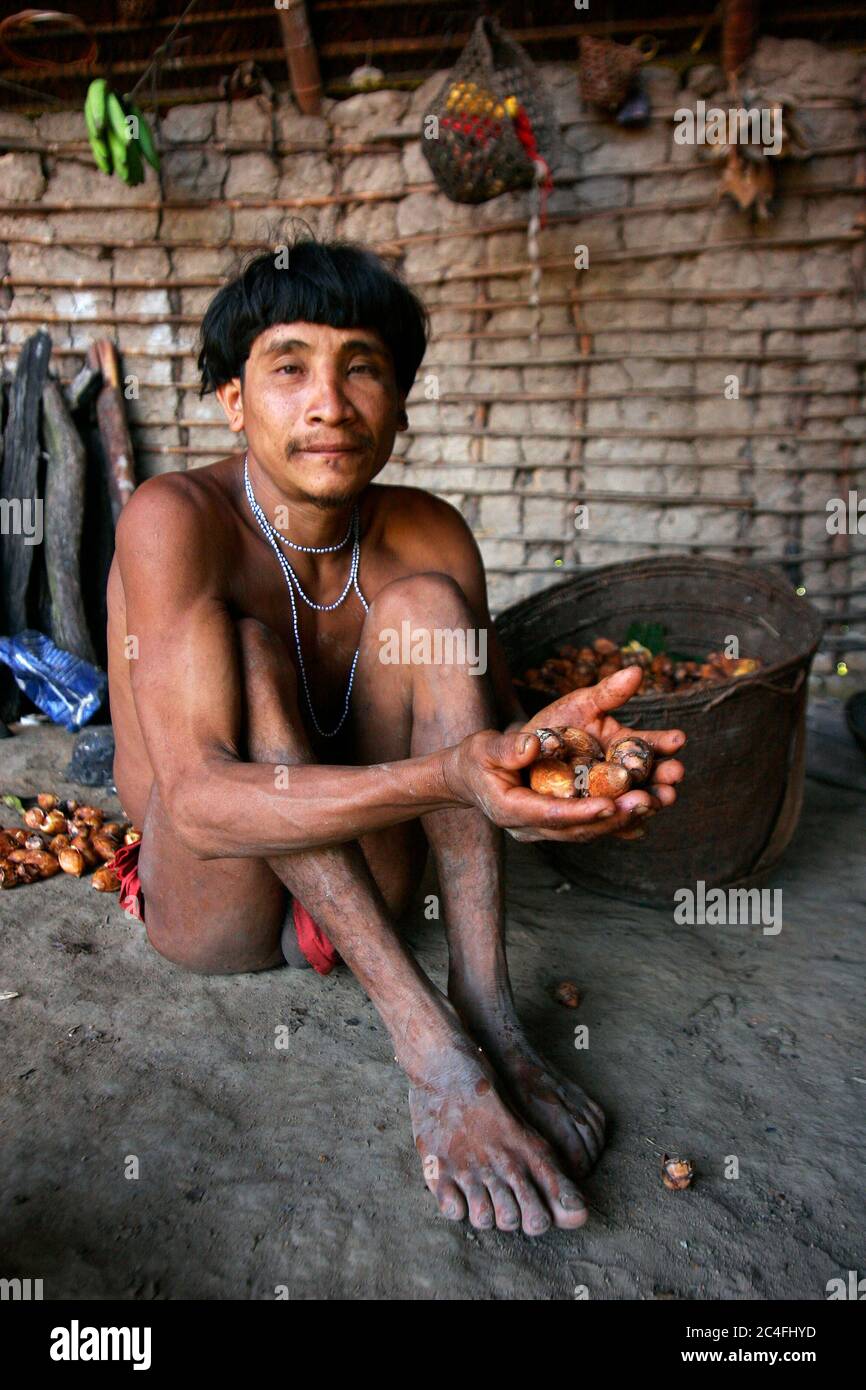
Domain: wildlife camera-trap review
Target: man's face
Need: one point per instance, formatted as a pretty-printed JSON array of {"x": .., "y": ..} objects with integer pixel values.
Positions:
[{"x": 320, "y": 407}]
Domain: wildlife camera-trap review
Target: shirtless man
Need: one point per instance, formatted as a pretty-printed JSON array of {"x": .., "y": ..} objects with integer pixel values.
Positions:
[{"x": 225, "y": 757}]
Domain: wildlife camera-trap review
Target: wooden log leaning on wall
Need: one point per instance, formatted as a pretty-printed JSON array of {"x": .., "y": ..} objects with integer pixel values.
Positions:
[
  {"x": 65, "y": 488},
  {"x": 113, "y": 429},
  {"x": 4, "y": 676},
  {"x": 19, "y": 481}
]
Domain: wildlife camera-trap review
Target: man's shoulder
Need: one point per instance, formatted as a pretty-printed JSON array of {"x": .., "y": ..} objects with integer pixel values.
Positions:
[
  {"x": 174, "y": 518},
  {"x": 424, "y": 532},
  {"x": 176, "y": 500},
  {"x": 419, "y": 517}
]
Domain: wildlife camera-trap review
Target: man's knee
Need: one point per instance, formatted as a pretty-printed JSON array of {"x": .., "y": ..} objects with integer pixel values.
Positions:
[{"x": 430, "y": 597}]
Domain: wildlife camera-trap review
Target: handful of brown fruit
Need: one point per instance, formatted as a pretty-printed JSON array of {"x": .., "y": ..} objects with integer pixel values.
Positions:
[
  {"x": 573, "y": 763},
  {"x": 63, "y": 837}
]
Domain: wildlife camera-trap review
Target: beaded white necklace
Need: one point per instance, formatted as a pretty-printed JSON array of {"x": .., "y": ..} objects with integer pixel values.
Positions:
[{"x": 272, "y": 535}]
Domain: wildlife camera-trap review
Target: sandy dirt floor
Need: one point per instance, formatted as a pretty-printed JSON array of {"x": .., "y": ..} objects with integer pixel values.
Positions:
[{"x": 262, "y": 1167}]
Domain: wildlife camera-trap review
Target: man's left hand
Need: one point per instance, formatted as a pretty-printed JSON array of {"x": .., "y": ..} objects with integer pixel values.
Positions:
[{"x": 588, "y": 709}]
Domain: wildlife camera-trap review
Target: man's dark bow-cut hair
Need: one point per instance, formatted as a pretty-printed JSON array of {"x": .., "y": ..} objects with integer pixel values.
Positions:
[{"x": 339, "y": 283}]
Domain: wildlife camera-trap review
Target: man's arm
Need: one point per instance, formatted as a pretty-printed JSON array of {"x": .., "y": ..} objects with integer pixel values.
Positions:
[
  {"x": 186, "y": 684},
  {"x": 457, "y": 554}
]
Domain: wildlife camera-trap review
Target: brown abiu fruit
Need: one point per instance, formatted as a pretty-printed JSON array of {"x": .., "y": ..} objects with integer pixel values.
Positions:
[
  {"x": 635, "y": 755},
  {"x": 552, "y": 777}
]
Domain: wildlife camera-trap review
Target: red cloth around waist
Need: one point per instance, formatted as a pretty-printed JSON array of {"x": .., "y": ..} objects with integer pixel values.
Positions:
[
  {"x": 321, "y": 954},
  {"x": 125, "y": 865}
]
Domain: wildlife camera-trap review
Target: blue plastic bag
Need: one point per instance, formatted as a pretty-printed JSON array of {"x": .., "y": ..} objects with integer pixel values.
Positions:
[{"x": 64, "y": 687}]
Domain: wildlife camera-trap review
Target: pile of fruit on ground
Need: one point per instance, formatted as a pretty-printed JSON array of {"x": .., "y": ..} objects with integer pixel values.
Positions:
[
  {"x": 573, "y": 668},
  {"x": 62, "y": 837}
]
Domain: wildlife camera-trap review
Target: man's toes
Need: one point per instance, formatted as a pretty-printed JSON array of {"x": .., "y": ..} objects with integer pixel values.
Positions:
[
  {"x": 452, "y": 1203},
  {"x": 565, "y": 1119},
  {"x": 596, "y": 1117},
  {"x": 589, "y": 1143},
  {"x": 504, "y": 1204},
  {"x": 481, "y": 1213},
  {"x": 594, "y": 1145},
  {"x": 601, "y": 1121},
  {"x": 533, "y": 1209},
  {"x": 564, "y": 1201},
  {"x": 573, "y": 1142},
  {"x": 568, "y": 1216},
  {"x": 588, "y": 1120}
]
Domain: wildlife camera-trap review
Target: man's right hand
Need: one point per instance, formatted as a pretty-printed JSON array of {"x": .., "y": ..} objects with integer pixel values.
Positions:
[{"x": 485, "y": 771}]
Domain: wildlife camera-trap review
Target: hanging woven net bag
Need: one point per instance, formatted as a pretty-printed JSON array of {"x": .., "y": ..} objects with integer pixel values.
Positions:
[
  {"x": 492, "y": 127},
  {"x": 607, "y": 69}
]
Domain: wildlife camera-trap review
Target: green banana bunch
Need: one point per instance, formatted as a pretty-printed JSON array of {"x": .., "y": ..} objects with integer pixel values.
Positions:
[
  {"x": 110, "y": 132},
  {"x": 117, "y": 150},
  {"x": 95, "y": 119},
  {"x": 145, "y": 134}
]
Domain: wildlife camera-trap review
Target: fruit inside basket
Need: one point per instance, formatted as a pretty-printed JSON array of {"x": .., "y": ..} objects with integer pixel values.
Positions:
[{"x": 572, "y": 668}]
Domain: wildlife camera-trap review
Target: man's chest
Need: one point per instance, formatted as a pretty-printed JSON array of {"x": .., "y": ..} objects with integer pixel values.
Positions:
[{"x": 322, "y": 623}]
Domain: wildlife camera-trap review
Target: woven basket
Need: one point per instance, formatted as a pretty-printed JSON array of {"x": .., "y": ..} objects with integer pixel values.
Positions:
[
  {"x": 473, "y": 149},
  {"x": 132, "y": 10},
  {"x": 745, "y": 756},
  {"x": 606, "y": 71}
]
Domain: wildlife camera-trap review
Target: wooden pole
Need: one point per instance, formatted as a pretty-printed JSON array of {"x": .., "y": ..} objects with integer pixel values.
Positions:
[
  {"x": 64, "y": 518},
  {"x": 19, "y": 483},
  {"x": 301, "y": 56},
  {"x": 113, "y": 429},
  {"x": 739, "y": 22}
]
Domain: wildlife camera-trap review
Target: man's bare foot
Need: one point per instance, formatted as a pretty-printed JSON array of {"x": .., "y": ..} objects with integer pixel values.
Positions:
[
  {"x": 555, "y": 1106},
  {"x": 479, "y": 1159}
]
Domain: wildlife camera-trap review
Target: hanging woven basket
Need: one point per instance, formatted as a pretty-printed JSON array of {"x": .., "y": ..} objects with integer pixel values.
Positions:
[
  {"x": 607, "y": 69},
  {"x": 492, "y": 127},
  {"x": 134, "y": 10}
]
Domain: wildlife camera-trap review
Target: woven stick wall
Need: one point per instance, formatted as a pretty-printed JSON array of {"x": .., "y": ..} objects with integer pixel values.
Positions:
[{"x": 621, "y": 406}]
